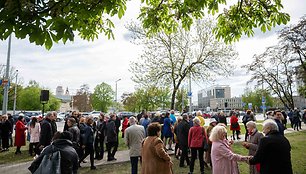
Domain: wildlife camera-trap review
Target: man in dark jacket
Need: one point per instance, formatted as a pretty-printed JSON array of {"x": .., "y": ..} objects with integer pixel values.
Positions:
[
  {"x": 100, "y": 135},
  {"x": 111, "y": 137},
  {"x": 11, "y": 120},
  {"x": 5, "y": 132},
  {"x": 182, "y": 137},
  {"x": 75, "y": 132},
  {"x": 69, "y": 157},
  {"x": 278, "y": 116},
  {"x": 273, "y": 151},
  {"x": 46, "y": 133},
  {"x": 117, "y": 125},
  {"x": 296, "y": 118},
  {"x": 246, "y": 118},
  {"x": 53, "y": 122},
  {"x": 88, "y": 143}
]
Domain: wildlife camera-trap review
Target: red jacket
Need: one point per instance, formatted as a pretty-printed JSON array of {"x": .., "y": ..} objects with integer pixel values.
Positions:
[
  {"x": 125, "y": 124},
  {"x": 233, "y": 120},
  {"x": 20, "y": 138},
  {"x": 196, "y": 137}
]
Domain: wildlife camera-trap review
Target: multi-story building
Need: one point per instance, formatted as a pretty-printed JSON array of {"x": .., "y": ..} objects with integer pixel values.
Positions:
[
  {"x": 215, "y": 98},
  {"x": 64, "y": 97}
]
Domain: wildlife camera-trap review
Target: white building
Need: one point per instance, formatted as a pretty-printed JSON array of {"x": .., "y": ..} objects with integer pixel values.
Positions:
[
  {"x": 216, "y": 97},
  {"x": 65, "y": 99}
]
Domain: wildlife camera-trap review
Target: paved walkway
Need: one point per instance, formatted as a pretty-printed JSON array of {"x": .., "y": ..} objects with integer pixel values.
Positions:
[{"x": 122, "y": 156}]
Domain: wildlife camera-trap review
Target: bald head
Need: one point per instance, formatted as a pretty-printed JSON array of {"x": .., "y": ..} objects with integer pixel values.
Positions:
[{"x": 132, "y": 120}]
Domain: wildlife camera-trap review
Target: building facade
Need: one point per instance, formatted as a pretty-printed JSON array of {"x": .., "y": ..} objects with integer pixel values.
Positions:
[
  {"x": 65, "y": 99},
  {"x": 218, "y": 98}
]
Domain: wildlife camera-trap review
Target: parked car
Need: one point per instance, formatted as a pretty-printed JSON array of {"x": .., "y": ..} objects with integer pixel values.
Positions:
[
  {"x": 86, "y": 114},
  {"x": 241, "y": 114},
  {"x": 61, "y": 116},
  {"x": 127, "y": 114},
  {"x": 26, "y": 118},
  {"x": 95, "y": 115}
]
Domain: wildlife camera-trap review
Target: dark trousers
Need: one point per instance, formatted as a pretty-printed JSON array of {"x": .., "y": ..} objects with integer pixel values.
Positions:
[
  {"x": 184, "y": 156},
  {"x": 18, "y": 150},
  {"x": 99, "y": 148},
  {"x": 297, "y": 123},
  {"x": 115, "y": 148},
  {"x": 111, "y": 149},
  {"x": 33, "y": 147},
  {"x": 237, "y": 134},
  {"x": 176, "y": 148},
  {"x": 291, "y": 122},
  {"x": 11, "y": 140},
  {"x": 89, "y": 150},
  {"x": 194, "y": 152},
  {"x": 246, "y": 133},
  {"x": 5, "y": 141},
  {"x": 134, "y": 164}
]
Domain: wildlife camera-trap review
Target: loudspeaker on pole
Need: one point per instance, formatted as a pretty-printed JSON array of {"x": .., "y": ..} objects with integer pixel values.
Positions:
[{"x": 44, "y": 95}]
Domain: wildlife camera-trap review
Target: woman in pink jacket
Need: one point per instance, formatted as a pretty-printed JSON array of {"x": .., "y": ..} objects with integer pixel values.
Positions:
[
  {"x": 224, "y": 161},
  {"x": 34, "y": 131}
]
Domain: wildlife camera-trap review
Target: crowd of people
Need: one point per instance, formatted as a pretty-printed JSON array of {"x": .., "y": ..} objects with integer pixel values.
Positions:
[{"x": 149, "y": 136}]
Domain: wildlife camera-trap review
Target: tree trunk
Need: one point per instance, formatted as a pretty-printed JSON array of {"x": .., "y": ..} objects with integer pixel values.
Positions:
[{"x": 173, "y": 97}]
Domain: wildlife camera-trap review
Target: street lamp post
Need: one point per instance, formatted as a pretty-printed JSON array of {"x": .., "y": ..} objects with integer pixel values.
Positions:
[
  {"x": 116, "y": 90},
  {"x": 15, "y": 94},
  {"x": 6, "y": 86}
]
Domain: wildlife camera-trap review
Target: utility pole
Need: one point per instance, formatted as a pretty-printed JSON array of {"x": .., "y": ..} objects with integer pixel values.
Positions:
[
  {"x": 190, "y": 93},
  {"x": 183, "y": 97},
  {"x": 116, "y": 90},
  {"x": 15, "y": 94},
  {"x": 6, "y": 86},
  {"x": 263, "y": 100}
]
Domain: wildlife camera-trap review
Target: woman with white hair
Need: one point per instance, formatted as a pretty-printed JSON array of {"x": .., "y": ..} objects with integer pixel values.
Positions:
[
  {"x": 224, "y": 161},
  {"x": 196, "y": 136},
  {"x": 273, "y": 153},
  {"x": 252, "y": 144}
]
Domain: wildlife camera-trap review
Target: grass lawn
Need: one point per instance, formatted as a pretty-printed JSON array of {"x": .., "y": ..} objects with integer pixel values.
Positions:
[
  {"x": 9, "y": 156},
  {"x": 298, "y": 159}
]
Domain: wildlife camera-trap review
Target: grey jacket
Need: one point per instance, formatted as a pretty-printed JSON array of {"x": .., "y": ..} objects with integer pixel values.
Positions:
[
  {"x": 254, "y": 140},
  {"x": 134, "y": 135}
]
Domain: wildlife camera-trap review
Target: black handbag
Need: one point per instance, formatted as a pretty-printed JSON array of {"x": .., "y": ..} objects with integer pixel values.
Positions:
[{"x": 51, "y": 163}]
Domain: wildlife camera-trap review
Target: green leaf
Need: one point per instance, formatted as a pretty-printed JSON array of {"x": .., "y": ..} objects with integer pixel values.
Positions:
[
  {"x": 48, "y": 42},
  {"x": 263, "y": 28}
]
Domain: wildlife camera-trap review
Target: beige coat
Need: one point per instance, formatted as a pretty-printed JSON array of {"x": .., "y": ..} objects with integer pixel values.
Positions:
[
  {"x": 254, "y": 141},
  {"x": 154, "y": 157}
]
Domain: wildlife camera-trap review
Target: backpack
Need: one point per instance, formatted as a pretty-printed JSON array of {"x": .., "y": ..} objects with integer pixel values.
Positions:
[{"x": 51, "y": 163}]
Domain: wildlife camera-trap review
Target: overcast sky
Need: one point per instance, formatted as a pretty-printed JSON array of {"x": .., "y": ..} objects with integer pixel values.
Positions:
[{"x": 82, "y": 62}]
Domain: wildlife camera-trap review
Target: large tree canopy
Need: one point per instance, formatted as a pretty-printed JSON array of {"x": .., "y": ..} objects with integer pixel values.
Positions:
[
  {"x": 168, "y": 59},
  {"x": 293, "y": 40},
  {"x": 281, "y": 64},
  {"x": 48, "y": 21},
  {"x": 102, "y": 98},
  {"x": 274, "y": 69}
]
